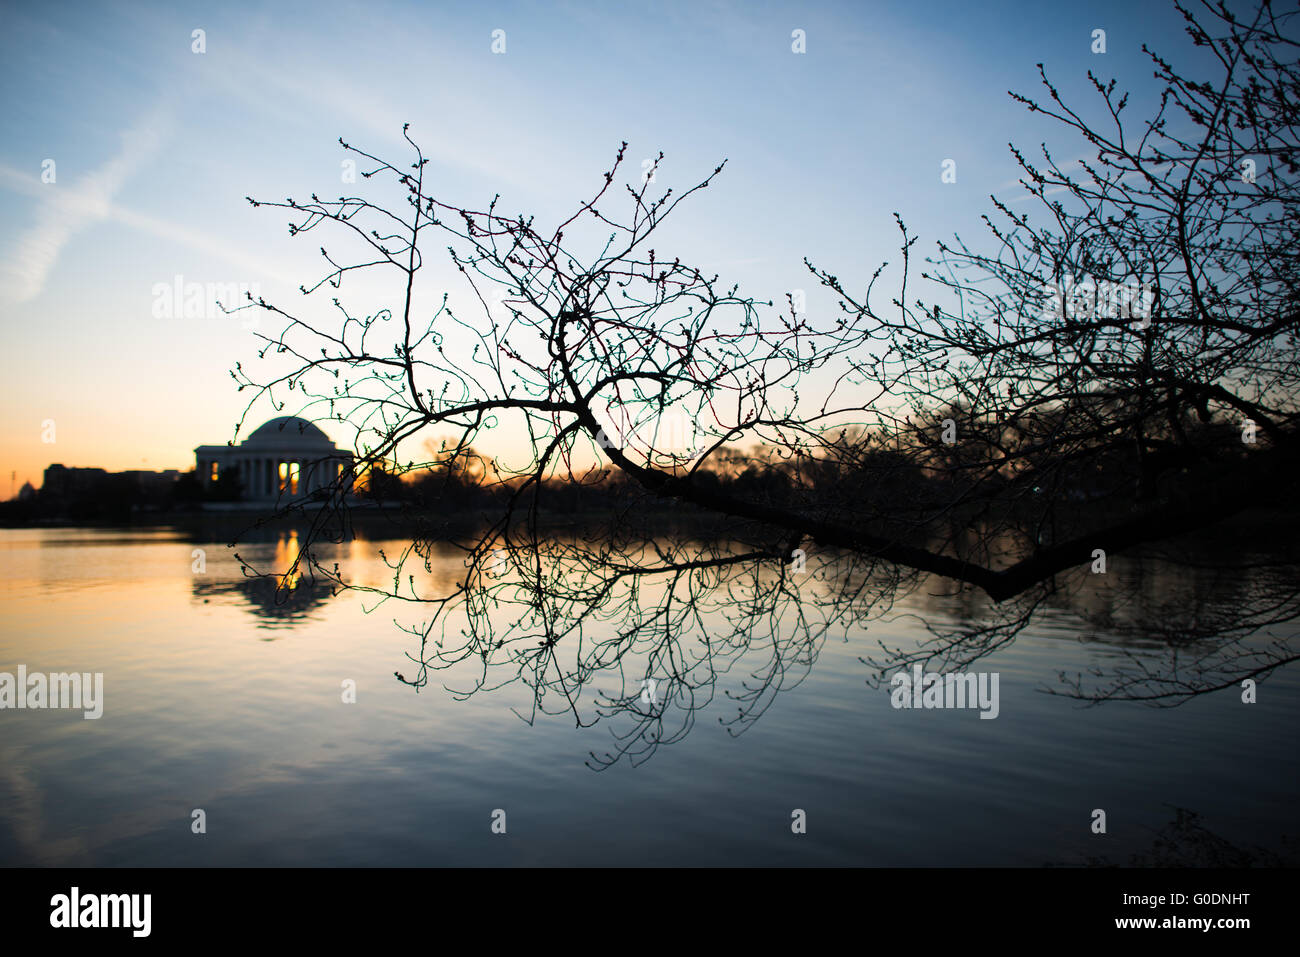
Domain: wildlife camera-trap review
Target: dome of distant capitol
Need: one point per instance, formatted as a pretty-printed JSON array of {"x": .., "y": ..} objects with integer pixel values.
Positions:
[
  {"x": 282, "y": 459},
  {"x": 288, "y": 428}
]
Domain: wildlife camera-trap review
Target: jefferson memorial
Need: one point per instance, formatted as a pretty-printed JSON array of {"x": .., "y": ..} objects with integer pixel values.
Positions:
[{"x": 286, "y": 456}]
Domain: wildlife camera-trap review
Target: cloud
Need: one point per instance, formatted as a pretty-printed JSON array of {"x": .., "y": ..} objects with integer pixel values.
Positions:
[
  {"x": 66, "y": 211},
  {"x": 63, "y": 211}
]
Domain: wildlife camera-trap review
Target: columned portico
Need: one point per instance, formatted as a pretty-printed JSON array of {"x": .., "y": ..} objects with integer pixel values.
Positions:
[{"x": 284, "y": 459}]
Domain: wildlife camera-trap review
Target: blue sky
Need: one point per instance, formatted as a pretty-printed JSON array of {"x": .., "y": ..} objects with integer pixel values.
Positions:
[{"x": 155, "y": 147}]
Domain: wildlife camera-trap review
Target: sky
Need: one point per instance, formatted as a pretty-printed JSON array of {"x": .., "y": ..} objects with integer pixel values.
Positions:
[{"x": 153, "y": 146}]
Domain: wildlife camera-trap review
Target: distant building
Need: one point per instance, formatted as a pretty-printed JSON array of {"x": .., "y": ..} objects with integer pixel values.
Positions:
[
  {"x": 286, "y": 456},
  {"x": 152, "y": 483},
  {"x": 61, "y": 482}
]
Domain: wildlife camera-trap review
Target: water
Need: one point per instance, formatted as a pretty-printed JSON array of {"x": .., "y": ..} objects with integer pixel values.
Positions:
[{"x": 215, "y": 698}]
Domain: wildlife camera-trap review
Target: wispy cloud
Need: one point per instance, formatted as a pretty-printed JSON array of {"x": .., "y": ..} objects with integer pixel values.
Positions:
[{"x": 65, "y": 210}]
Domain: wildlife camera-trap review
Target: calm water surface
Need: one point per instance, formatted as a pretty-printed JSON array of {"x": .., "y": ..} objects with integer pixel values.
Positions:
[{"x": 218, "y": 699}]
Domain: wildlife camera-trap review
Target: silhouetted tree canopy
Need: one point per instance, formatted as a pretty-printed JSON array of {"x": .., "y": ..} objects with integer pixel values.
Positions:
[{"x": 1114, "y": 369}]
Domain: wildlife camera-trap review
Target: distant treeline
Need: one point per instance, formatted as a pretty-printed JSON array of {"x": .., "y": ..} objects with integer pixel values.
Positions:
[
  {"x": 858, "y": 475},
  {"x": 853, "y": 475}
]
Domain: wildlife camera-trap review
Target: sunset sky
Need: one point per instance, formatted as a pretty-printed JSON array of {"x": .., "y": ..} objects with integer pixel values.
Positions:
[{"x": 155, "y": 146}]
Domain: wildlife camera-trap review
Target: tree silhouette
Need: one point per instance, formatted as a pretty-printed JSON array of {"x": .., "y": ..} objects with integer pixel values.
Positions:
[{"x": 1117, "y": 372}]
